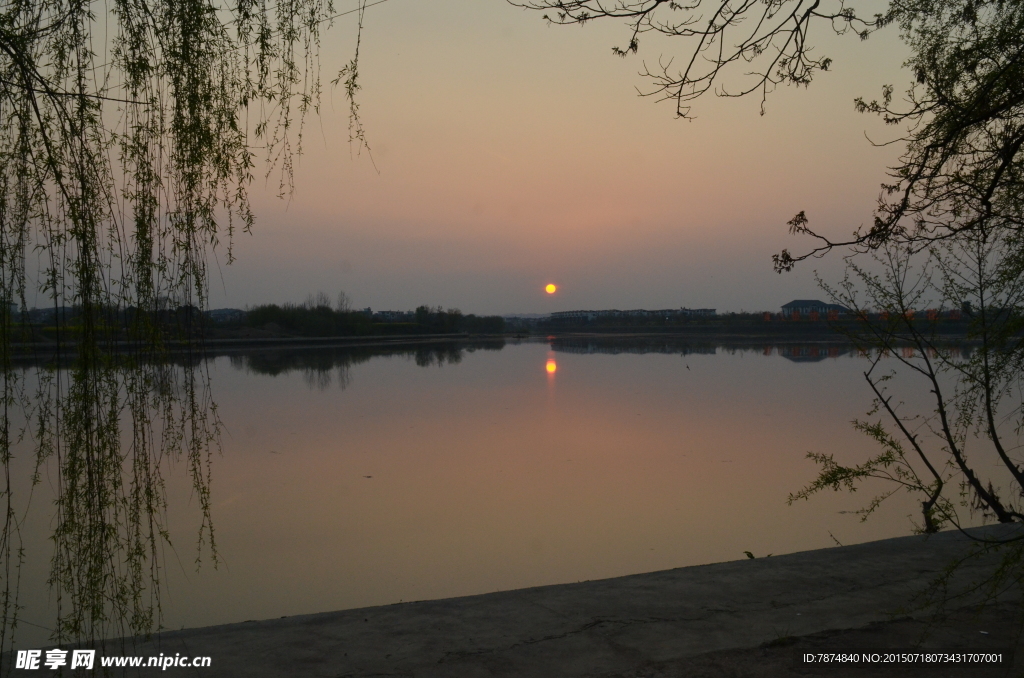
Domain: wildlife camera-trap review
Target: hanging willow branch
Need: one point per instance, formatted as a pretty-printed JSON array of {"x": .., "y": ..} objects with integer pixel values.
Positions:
[{"x": 127, "y": 132}]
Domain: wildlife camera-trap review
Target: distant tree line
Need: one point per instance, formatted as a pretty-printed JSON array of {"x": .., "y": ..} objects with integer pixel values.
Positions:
[
  {"x": 67, "y": 323},
  {"x": 316, "y": 317}
]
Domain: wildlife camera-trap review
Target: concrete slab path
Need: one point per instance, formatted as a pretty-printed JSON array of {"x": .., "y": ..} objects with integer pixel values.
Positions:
[{"x": 607, "y": 627}]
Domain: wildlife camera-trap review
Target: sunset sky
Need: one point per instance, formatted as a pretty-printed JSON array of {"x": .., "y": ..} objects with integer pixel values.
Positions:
[{"x": 511, "y": 154}]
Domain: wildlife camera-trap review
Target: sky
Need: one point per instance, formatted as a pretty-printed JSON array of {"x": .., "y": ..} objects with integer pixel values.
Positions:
[{"x": 508, "y": 154}]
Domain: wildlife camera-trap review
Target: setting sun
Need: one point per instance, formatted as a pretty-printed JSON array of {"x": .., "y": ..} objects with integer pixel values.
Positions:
[
  {"x": 551, "y": 367},
  {"x": 551, "y": 288}
]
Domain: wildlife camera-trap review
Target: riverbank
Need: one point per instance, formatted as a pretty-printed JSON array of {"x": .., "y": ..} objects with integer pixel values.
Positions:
[
  {"x": 43, "y": 352},
  {"x": 747, "y": 618}
]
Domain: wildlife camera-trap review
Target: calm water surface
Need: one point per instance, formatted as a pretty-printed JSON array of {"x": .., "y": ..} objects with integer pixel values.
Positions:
[{"x": 350, "y": 479}]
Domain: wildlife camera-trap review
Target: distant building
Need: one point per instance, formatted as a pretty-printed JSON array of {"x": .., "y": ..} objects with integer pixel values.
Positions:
[
  {"x": 394, "y": 316},
  {"x": 666, "y": 313},
  {"x": 800, "y": 307},
  {"x": 225, "y": 315},
  {"x": 697, "y": 312},
  {"x": 579, "y": 315},
  {"x": 46, "y": 316}
]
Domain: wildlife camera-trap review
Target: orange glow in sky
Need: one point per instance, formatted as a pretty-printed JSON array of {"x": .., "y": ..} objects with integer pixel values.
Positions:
[
  {"x": 551, "y": 367},
  {"x": 480, "y": 197}
]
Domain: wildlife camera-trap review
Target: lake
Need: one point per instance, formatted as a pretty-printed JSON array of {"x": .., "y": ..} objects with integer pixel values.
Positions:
[{"x": 368, "y": 476}]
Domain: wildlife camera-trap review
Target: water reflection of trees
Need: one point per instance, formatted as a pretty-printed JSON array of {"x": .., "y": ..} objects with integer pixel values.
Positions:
[
  {"x": 807, "y": 352},
  {"x": 810, "y": 353},
  {"x": 638, "y": 345},
  {"x": 323, "y": 368}
]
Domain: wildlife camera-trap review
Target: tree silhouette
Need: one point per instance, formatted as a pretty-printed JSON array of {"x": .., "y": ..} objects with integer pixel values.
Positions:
[{"x": 129, "y": 133}]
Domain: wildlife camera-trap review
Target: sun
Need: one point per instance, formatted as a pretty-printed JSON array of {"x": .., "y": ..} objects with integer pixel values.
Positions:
[
  {"x": 551, "y": 288},
  {"x": 551, "y": 366}
]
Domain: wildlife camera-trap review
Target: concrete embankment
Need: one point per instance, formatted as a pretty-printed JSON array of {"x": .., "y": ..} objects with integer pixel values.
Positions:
[{"x": 693, "y": 621}]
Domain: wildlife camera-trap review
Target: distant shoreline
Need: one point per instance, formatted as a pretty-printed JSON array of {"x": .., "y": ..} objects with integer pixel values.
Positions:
[
  {"x": 226, "y": 346},
  {"x": 732, "y": 336}
]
